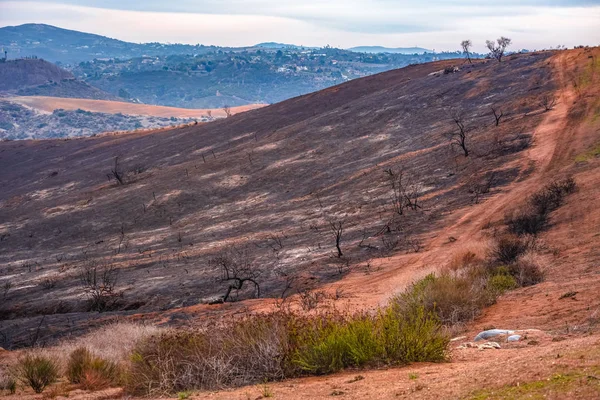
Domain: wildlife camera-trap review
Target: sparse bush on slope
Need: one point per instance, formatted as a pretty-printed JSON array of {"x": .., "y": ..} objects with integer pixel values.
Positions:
[
  {"x": 534, "y": 218},
  {"x": 37, "y": 371},
  {"x": 453, "y": 297},
  {"x": 90, "y": 371}
]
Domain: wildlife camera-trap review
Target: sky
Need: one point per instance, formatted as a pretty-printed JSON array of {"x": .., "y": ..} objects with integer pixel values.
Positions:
[{"x": 435, "y": 24}]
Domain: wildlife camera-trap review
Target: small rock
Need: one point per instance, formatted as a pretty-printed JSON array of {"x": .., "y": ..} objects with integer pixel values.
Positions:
[
  {"x": 513, "y": 338},
  {"x": 212, "y": 300},
  {"x": 490, "y": 333},
  {"x": 489, "y": 345}
]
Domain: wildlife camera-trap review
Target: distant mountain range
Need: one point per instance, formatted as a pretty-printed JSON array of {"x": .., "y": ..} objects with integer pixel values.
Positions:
[
  {"x": 275, "y": 45},
  {"x": 72, "y": 47},
  {"x": 397, "y": 50}
]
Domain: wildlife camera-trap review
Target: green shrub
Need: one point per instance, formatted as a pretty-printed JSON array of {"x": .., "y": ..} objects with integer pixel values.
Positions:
[
  {"x": 454, "y": 298},
  {"x": 37, "y": 371},
  {"x": 502, "y": 282},
  {"x": 330, "y": 343},
  {"x": 90, "y": 371},
  {"x": 268, "y": 347}
]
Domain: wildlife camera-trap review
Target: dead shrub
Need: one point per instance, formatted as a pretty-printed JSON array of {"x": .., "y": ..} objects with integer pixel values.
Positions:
[
  {"x": 310, "y": 299},
  {"x": 464, "y": 259},
  {"x": 99, "y": 283},
  {"x": 243, "y": 352},
  {"x": 534, "y": 218},
  {"x": 527, "y": 272},
  {"x": 7, "y": 383},
  {"x": 506, "y": 249},
  {"x": 527, "y": 222},
  {"x": 548, "y": 102}
]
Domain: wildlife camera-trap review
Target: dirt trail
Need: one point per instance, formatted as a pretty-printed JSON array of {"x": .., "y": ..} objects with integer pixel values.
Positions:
[
  {"x": 566, "y": 354},
  {"x": 401, "y": 270}
]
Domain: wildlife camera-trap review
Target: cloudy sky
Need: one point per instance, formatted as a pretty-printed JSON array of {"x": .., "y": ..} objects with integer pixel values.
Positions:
[{"x": 434, "y": 24}]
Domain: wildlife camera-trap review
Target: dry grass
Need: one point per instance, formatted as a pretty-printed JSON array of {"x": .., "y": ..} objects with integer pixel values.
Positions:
[
  {"x": 113, "y": 342},
  {"x": 7, "y": 382}
]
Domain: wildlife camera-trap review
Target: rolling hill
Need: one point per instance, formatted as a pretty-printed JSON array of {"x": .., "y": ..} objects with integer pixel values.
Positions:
[
  {"x": 273, "y": 184},
  {"x": 199, "y": 76},
  {"x": 71, "y": 47},
  {"x": 28, "y": 77}
]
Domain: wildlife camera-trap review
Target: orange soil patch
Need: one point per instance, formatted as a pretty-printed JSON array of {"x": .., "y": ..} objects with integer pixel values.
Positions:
[{"x": 49, "y": 104}]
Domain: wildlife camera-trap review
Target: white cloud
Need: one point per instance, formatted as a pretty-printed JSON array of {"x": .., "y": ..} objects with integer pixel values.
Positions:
[{"x": 341, "y": 23}]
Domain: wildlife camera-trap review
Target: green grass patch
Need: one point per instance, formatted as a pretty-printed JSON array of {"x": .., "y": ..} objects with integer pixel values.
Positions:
[
  {"x": 587, "y": 76},
  {"x": 557, "y": 386},
  {"x": 589, "y": 155}
]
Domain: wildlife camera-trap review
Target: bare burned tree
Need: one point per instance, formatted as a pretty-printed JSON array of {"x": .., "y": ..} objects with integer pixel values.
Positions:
[
  {"x": 497, "y": 114},
  {"x": 337, "y": 229},
  {"x": 227, "y": 110},
  {"x": 405, "y": 190},
  {"x": 466, "y": 46},
  {"x": 116, "y": 172},
  {"x": 99, "y": 283},
  {"x": 460, "y": 138},
  {"x": 498, "y": 48},
  {"x": 290, "y": 280},
  {"x": 478, "y": 187},
  {"x": 548, "y": 102},
  {"x": 237, "y": 268}
]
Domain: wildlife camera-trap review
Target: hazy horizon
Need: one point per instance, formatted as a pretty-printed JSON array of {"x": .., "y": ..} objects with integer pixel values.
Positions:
[{"x": 440, "y": 26}]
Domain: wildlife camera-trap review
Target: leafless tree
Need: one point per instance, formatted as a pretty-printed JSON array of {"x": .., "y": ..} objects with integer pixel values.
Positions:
[
  {"x": 388, "y": 244},
  {"x": 275, "y": 241},
  {"x": 405, "y": 189},
  {"x": 227, "y": 110},
  {"x": 498, "y": 48},
  {"x": 290, "y": 280},
  {"x": 337, "y": 228},
  {"x": 99, "y": 283},
  {"x": 310, "y": 299},
  {"x": 466, "y": 45},
  {"x": 497, "y": 114},
  {"x": 237, "y": 268},
  {"x": 478, "y": 187},
  {"x": 116, "y": 172},
  {"x": 548, "y": 102},
  {"x": 7, "y": 286},
  {"x": 460, "y": 138},
  {"x": 209, "y": 113}
]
